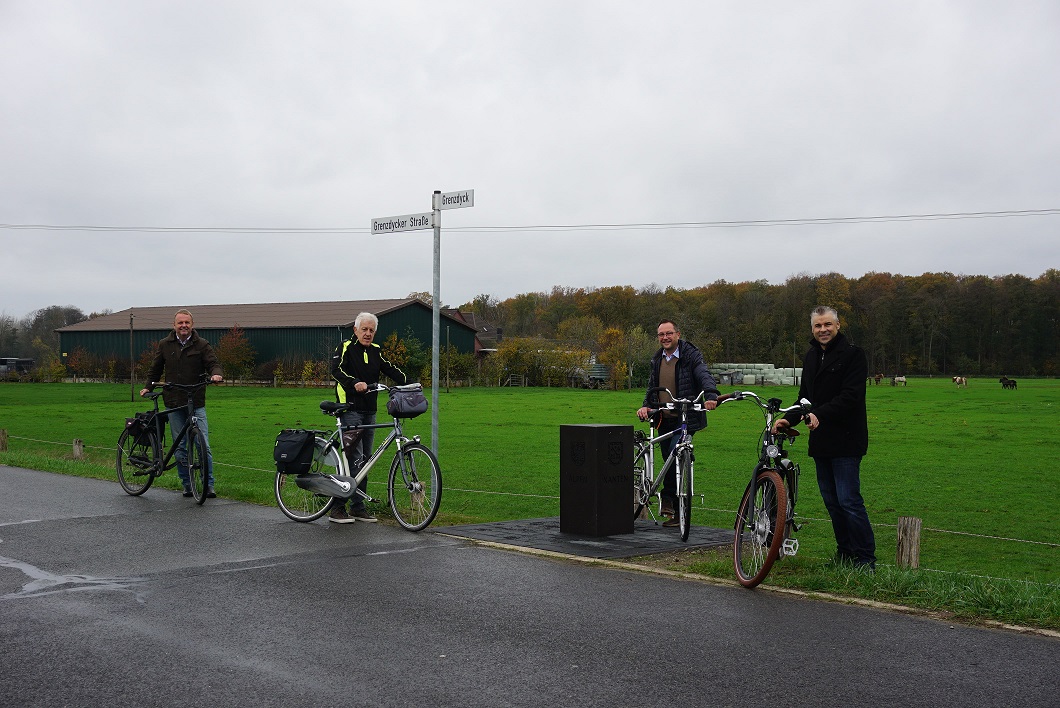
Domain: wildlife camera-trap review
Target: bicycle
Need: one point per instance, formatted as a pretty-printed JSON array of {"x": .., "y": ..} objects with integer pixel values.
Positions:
[
  {"x": 414, "y": 485},
  {"x": 646, "y": 484},
  {"x": 765, "y": 519},
  {"x": 140, "y": 458}
]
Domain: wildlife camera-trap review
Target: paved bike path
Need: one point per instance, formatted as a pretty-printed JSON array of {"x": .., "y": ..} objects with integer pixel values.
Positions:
[{"x": 107, "y": 599}]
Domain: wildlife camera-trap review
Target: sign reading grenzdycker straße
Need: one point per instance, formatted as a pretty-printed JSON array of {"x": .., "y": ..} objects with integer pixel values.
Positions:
[{"x": 408, "y": 222}]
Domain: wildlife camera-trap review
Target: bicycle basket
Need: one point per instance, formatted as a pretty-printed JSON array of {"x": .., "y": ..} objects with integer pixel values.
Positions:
[
  {"x": 293, "y": 451},
  {"x": 406, "y": 401}
]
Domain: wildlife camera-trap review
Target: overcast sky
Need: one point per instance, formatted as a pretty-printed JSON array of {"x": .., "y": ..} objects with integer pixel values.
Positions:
[{"x": 267, "y": 114}]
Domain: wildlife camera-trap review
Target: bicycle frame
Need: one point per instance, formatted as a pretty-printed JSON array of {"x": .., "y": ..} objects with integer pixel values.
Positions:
[
  {"x": 684, "y": 442},
  {"x": 167, "y": 462},
  {"x": 335, "y": 441}
]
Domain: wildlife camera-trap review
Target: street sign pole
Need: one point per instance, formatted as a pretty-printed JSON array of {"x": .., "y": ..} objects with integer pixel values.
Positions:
[
  {"x": 426, "y": 220},
  {"x": 436, "y": 325}
]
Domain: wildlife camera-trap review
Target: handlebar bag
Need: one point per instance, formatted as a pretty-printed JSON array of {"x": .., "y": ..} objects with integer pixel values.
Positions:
[
  {"x": 406, "y": 402},
  {"x": 293, "y": 451}
]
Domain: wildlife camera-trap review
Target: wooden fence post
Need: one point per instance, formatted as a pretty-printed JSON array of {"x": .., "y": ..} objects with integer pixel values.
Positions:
[
  {"x": 3, "y": 440},
  {"x": 79, "y": 449},
  {"x": 908, "y": 542}
]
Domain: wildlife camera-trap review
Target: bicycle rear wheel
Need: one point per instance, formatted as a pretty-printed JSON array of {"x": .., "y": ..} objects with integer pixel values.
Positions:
[
  {"x": 137, "y": 461},
  {"x": 684, "y": 493},
  {"x": 303, "y": 504},
  {"x": 198, "y": 464},
  {"x": 759, "y": 535},
  {"x": 415, "y": 486}
]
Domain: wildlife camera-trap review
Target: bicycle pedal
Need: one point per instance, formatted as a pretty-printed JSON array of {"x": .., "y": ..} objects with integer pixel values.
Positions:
[{"x": 790, "y": 547}]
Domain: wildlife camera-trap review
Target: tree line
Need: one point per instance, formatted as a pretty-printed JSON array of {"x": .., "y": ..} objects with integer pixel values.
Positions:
[{"x": 929, "y": 324}]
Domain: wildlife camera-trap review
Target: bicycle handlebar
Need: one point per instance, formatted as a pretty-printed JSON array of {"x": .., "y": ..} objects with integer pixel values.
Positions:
[{"x": 769, "y": 406}]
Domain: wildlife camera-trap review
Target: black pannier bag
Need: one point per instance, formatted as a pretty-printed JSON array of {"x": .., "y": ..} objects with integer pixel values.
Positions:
[
  {"x": 406, "y": 401},
  {"x": 141, "y": 423},
  {"x": 293, "y": 451}
]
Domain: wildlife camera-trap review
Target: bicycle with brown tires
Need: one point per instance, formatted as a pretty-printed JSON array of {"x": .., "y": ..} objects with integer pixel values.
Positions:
[{"x": 765, "y": 519}]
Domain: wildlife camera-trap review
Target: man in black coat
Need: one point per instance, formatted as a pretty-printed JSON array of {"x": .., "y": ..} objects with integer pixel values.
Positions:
[
  {"x": 186, "y": 358},
  {"x": 677, "y": 366},
  {"x": 833, "y": 380}
]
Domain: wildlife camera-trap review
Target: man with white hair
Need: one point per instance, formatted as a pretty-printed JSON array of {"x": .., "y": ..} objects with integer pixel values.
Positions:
[{"x": 356, "y": 366}]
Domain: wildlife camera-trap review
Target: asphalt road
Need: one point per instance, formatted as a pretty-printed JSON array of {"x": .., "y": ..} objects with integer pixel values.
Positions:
[{"x": 111, "y": 600}]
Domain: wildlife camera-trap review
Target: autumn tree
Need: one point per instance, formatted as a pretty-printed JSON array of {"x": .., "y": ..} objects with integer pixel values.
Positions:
[{"x": 235, "y": 353}]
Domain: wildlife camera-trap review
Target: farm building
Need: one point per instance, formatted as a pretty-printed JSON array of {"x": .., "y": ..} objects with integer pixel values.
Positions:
[{"x": 279, "y": 330}]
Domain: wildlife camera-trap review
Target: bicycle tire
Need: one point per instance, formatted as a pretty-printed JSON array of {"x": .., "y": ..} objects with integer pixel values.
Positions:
[
  {"x": 304, "y": 505},
  {"x": 415, "y": 487},
  {"x": 198, "y": 464},
  {"x": 757, "y": 543},
  {"x": 137, "y": 461},
  {"x": 641, "y": 481},
  {"x": 684, "y": 493}
]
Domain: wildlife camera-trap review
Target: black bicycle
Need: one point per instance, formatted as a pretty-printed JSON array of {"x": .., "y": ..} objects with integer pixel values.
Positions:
[
  {"x": 140, "y": 445},
  {"x": 765, "y": 520}
]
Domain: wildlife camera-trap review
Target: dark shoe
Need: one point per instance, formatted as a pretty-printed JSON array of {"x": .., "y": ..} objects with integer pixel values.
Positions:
[
  {"x": 363, "y": 515},
  {"x": 339, "y": 516},
  {"x": 210, "y": 494},
  {"x": 671, "y": 522},
  {"x": 187, "y": 491}
]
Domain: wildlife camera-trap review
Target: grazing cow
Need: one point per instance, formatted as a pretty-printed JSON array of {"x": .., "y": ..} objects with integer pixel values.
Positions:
[
  {"x": 877, "y": 378},
  {"x": 961, "y": 381},
  {"x": 898, "y": 380},
  {"x": 1006, "y": 382}
]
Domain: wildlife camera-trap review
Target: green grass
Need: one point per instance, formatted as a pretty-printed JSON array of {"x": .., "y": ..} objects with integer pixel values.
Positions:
[{"x": 978, "y": 465}]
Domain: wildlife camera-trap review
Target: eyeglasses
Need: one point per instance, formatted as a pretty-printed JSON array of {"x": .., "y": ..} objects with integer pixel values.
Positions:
[{"x": 666, "y": 334}]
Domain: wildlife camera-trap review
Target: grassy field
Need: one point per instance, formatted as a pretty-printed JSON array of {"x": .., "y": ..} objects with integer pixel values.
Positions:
[{"x": 976, "y": 464}]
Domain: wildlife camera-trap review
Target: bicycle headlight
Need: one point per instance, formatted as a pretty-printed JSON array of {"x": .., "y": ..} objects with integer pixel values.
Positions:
[{"x": 772, "y": 451}]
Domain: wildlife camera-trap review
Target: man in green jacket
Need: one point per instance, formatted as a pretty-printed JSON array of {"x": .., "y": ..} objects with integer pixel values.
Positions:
[
  {"x": 356, "y": 366},
  {"x": 185, "y": 357}
]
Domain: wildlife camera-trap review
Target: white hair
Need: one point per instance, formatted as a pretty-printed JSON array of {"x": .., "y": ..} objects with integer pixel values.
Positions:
[{"x": 366, "y": 317}]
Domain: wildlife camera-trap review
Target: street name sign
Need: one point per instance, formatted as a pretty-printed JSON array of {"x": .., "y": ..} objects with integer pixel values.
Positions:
[
  {"x": 408, "y": 222},
  {"x": 457, "y": 200}
]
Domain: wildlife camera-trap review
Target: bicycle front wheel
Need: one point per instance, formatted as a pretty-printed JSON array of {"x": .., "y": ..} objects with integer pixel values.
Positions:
[
  {"x": 415, "y": 487},
  {"x": 303, "y": 504},
  {"x": 137, "y": 461},
  {"x": 642, "y": 480},
  {"x": 759, "y": 534},
  {"x": 198, "y": 464},
  {"x": 684, "y": 493}
]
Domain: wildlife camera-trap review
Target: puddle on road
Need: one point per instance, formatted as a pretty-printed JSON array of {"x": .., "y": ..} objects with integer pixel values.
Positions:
[{"x": 44, "y": 583}]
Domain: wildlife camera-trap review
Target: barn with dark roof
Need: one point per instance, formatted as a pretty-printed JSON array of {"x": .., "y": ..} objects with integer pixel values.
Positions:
[{"x": 277, "y": 330}]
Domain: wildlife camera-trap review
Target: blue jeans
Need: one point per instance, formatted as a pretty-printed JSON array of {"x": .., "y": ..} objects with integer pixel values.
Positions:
[
  {"x": 358, "y": 453},
  {"x": 176, "y": 422},
  {"x": 839, "y": 479}
]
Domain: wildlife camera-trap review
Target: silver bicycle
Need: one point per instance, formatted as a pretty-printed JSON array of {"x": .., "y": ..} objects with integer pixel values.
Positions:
[
  {"x": 414, "y": 485},
  {"x": 646, "y": 484}
]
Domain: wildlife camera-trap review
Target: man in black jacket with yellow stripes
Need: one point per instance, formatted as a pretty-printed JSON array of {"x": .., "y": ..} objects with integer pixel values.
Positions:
[{"x": 356, "y": 366}]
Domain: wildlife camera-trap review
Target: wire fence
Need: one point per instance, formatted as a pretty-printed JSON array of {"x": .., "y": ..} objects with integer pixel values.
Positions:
[{"x": 555, "y": 498}]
